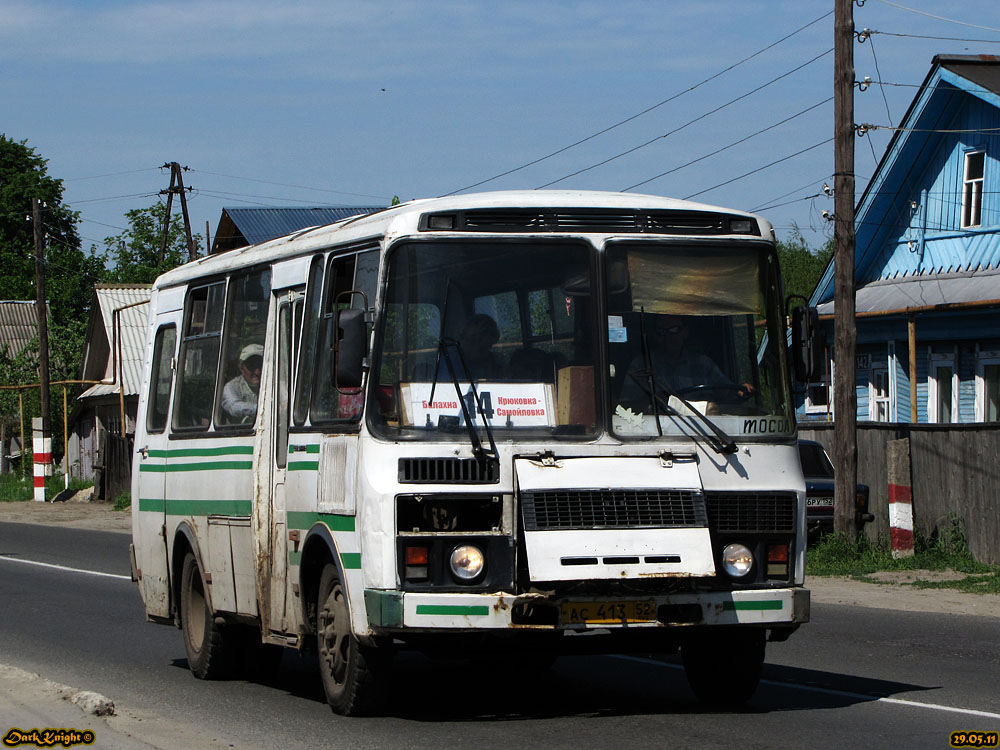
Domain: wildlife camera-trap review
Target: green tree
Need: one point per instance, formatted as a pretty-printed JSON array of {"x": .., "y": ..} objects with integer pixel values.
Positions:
[
  {"x": 133, "y": 257},
  {"x": 801, "y": 265},
  {"x": 69, "y": 272}
]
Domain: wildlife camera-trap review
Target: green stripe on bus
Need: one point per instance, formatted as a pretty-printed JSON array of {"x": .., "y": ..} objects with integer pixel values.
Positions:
[
  {"x": 307, "y": 448},
  {"x": 300, "y": 520},
  {"x": 303, "y": 465},
  {"x": 745, "y": 606},
  {"x": 350, "y": 560},
  {"x": 196, "y": 507},
  {"x": 224, "y": 450},
  {"x": 452, "y": 609},
  {"x": 204, "y": 466}
]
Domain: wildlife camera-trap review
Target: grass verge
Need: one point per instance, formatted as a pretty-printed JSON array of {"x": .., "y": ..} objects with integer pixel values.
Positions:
[
  {"x": 14, "y": 489},
  {"x": 838, "y": 555}
]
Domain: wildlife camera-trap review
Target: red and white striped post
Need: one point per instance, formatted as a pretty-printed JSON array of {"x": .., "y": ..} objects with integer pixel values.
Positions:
[
  {"x": 900, "y": 498},
  {"x": 41, "y": 445}
]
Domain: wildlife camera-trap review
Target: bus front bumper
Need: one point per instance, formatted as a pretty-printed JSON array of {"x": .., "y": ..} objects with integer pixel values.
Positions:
[{"x": 397, "y": 610}]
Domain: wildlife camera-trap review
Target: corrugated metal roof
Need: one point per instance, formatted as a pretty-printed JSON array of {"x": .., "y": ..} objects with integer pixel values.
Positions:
[
  {"x": 132, "y": 329},
  {"x": 18, "y": 326},
  {"x": 239, "y": 227},
  {"x": 925, "y": 291}
]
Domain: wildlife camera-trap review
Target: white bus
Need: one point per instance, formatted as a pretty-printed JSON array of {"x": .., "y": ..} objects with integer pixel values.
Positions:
[{"x": 519, "y": 423}]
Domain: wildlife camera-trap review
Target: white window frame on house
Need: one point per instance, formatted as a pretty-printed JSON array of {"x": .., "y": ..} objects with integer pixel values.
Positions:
[
  {"x": 972, "y": 188},
  {"x": 820, "y": 387},
  {"x": 983, "y": 360},
  {"x": 878, "y": 395},
  {"x": 939, "y": 362}
]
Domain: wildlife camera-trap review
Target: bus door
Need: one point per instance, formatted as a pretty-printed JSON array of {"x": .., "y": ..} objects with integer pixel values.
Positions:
[
  {"x": 274, "y": 588},
  {"x": 150, "y": 539}
]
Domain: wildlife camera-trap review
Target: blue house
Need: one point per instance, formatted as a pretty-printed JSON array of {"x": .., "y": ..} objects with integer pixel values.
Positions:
[{"x": 927, "y": 262}]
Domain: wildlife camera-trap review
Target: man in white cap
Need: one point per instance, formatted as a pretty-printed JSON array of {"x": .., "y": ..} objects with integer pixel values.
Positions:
[{"x": 239, "y": 397}]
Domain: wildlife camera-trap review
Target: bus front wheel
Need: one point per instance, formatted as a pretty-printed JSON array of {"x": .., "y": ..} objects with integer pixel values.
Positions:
[
  {"x": 723, "y": 665},
  {"x": 353, "y": 674},
  {"x": 206, "y": 639}
]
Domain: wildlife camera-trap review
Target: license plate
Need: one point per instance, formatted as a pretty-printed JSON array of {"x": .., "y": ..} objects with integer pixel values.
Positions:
[
  {"x": 608, "y": 613},
  {"x": 819, "y": 502}
]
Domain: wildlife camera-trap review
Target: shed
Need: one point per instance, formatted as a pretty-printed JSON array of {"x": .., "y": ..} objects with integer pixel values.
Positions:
[{"x": 113, "y": 353}]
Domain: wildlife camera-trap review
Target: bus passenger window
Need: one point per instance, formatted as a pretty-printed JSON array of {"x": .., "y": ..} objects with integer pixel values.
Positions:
[
  {"x": 199, "y": 357},
  {"x": 243, "y": 348}
]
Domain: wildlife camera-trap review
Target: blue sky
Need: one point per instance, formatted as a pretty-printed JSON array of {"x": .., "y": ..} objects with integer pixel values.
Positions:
[{"x": 333, "y": 103}]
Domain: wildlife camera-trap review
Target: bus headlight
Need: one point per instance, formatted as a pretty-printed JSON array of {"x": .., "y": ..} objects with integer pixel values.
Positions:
[
  {"x": 467, "y": 563},
  {"x": 737, "y": 560}
]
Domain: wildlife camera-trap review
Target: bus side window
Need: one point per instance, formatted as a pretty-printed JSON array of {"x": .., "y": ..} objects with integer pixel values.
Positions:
[
  {"x": 161, "y": 378},
  {"x": 199, "y": 357},
  {"x": 328, "y": 404},
  {"x": 243, "y": 348}
]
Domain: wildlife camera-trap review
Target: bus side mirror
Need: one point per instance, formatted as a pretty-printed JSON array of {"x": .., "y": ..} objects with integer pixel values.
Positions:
[
  {"x": 349, "y": 348},
  {"x": 806, "y": 349}
]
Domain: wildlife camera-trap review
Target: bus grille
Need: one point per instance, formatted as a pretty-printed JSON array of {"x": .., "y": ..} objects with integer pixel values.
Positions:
[
  {"x": 751, "y": 511},
  {"x": 595, "y": 509},
  {"x": 448, "y": 471}
]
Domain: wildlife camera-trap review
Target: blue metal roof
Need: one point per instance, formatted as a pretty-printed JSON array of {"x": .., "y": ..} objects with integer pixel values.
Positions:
[
  {"x": 908, "y": 221},
  {"x": 239, "y": 227}
]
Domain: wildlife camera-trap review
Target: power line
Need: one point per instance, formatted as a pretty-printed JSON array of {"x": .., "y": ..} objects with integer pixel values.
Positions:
[
  {"x": 796, "y": 190},
  {"x": 937, "y": 38},
  {"x": 690, "y": 122},
  {"x": 110, "y": 174},
  {"x": 300, "y": 187},
  {"x": 759, "y": 169},
  {"x": 938, "y": 18},
  {"x": 643, "y": 112},
  {"x": 731, "y": 145}
]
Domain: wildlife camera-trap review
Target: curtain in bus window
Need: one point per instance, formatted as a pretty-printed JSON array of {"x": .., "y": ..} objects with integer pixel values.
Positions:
[{"x": 695, "y": 282}]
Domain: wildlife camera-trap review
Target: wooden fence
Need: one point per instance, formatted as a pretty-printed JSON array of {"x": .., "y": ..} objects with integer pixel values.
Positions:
[{"x": 955, "y": 470}]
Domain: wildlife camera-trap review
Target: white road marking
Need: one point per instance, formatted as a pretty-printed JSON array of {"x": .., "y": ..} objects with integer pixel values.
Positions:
[
  {"x": 63, "y": 567},
  {"x": 840, "y": 693}
]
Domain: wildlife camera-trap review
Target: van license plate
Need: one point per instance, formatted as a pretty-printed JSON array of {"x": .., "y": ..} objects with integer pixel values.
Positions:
[
  {"x": 608, "y": 613},
  {"x": 819, "y": 502}
]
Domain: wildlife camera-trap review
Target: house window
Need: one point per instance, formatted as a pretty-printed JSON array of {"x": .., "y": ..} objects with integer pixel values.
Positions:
[
  {"x": 972, "y": 195},
  {"x": 942, "y": 391},
  {"x": 878, "y": 389},
  {"x": 988, "y": 387}
]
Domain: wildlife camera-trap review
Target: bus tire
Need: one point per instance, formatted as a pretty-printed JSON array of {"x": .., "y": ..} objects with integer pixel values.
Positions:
[
  {"x": 352, "y": 674},
  {"x": 206, "y": 638},
  {"x": 723, "y": 665}
]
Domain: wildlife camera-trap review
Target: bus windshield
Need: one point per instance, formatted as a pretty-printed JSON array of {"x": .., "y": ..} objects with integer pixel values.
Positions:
[
  {"x": 695, "y": 331},
  {"x": 513, "y": 323}
]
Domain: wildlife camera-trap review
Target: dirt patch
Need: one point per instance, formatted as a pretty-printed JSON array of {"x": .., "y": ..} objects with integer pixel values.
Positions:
[
  {"x": 76, "y": 513},
  {"x": 892, "y": 593}
]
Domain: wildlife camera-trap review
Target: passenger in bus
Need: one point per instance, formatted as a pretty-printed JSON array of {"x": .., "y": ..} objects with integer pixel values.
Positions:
[
  {"x": 239, "y": 397},
  {"x": 683, "y": 370},
  {"x": 476, "y": 341}
]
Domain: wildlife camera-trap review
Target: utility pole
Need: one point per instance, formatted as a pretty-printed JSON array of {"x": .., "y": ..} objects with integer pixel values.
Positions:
[
  {"x": 42, "y": 310},
  {"x": 177, "y": 187},
  {"x": 845, "y": 438}
]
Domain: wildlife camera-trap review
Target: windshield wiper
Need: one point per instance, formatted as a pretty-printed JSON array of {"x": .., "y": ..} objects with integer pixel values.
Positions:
[
  {"x": 478, "y": 450},
  {"x": 719, "y": 440}
]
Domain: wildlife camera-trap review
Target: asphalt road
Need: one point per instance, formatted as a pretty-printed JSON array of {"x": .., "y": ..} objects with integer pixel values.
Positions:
[{"x": 853, "y": 676}]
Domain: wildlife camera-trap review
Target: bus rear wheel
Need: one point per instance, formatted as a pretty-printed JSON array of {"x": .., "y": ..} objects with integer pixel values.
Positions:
[
  {"x": 723, "y": 665},
  {"x": 206, "y": 639},
  {"x": 353, "y": 674}
]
